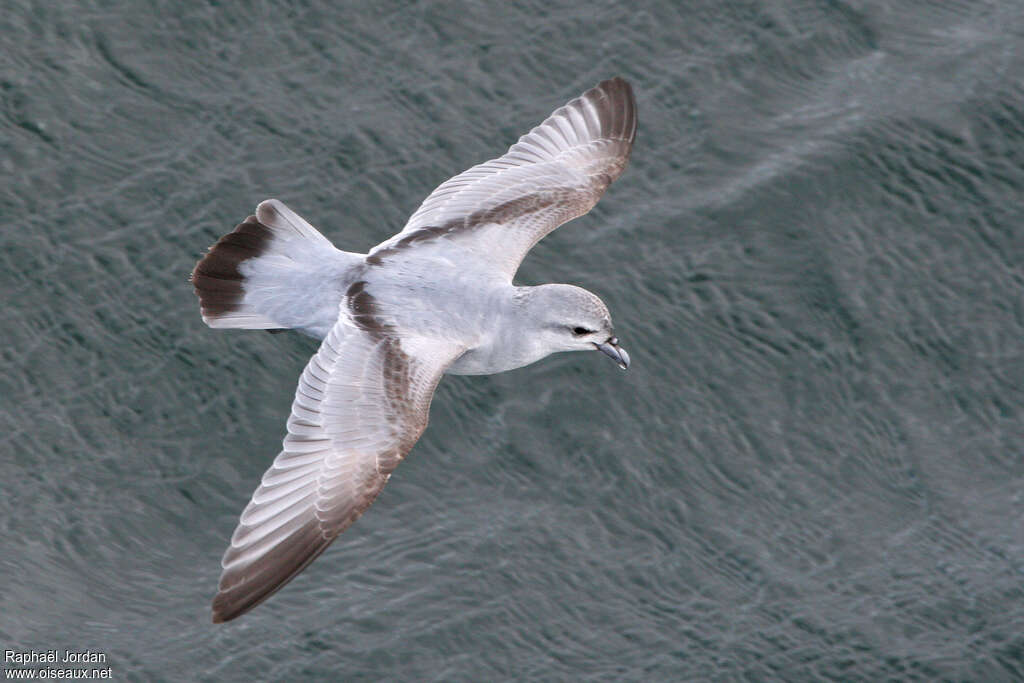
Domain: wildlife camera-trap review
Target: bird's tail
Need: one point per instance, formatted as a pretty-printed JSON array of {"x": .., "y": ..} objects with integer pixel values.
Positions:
[{"x": 274, "y": 271}]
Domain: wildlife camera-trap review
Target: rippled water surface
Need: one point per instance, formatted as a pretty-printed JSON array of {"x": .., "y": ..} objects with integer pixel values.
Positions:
[{"x": 814, "y": 468}]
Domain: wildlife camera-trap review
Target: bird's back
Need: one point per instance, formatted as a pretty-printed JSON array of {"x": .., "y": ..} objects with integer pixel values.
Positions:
[{"x": 441, "y": 292}]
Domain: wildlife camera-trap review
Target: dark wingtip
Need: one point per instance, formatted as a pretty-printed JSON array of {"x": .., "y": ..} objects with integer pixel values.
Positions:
[
  {"x": 245, "y": 588},
  {"x": 225, "y": 610},
  {"x": 216, "y": 278},
  {"x": 619, "y": 93}
]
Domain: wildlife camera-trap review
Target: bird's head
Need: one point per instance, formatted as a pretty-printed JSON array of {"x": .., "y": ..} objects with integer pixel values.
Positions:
[{"x": 570, "y": 318}]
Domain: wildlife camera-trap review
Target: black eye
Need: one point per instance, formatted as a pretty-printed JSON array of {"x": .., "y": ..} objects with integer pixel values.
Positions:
[{"x": 580, "y": 331}]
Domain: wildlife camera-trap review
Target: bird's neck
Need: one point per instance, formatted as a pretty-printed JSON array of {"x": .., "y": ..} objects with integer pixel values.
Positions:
[{"x": 508, "y": 340}]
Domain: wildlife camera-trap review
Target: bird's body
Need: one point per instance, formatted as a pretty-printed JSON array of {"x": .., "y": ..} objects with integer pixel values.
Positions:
[{"x": 436, "y": 298}]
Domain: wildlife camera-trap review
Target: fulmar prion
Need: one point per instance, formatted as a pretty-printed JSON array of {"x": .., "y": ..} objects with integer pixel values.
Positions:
[{"x": 435, "y": 298}]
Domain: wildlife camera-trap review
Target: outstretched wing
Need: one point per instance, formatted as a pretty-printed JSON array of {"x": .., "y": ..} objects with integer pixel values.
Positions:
[
  {"x": 556, "y": 172},
  {"x": 361, "y": 404}
]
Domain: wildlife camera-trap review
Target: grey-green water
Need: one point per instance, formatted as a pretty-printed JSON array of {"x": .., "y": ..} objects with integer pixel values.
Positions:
[{"x": 814, "y": 468}]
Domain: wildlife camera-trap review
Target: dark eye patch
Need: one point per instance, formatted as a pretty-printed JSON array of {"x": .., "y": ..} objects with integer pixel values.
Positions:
[{"x": 580, "y": 331}]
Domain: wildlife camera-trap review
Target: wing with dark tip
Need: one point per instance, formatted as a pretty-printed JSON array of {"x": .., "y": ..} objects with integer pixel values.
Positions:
[
  {"x": 361, "y": 404},
  {"x": 556, "y": 172}
]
